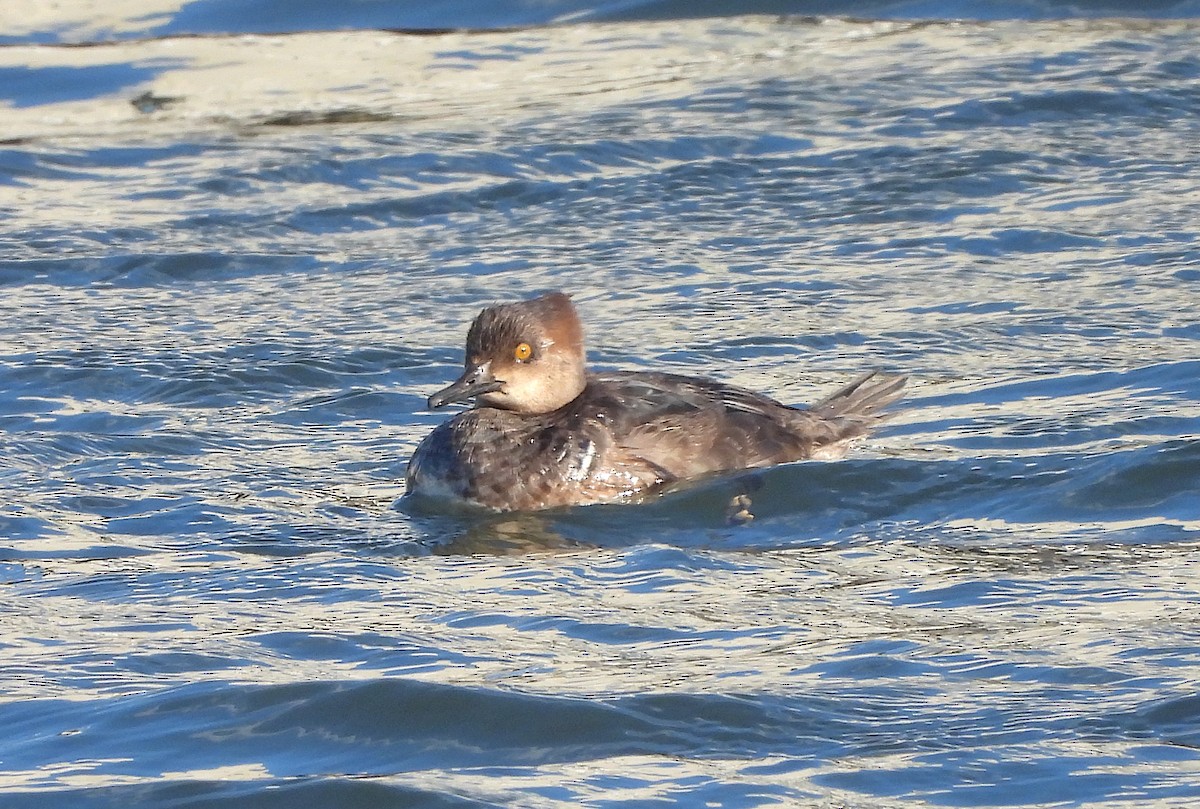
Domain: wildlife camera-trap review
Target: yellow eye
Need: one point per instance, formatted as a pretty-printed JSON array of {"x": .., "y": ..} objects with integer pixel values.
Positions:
[{"x": 522, "y": 352}]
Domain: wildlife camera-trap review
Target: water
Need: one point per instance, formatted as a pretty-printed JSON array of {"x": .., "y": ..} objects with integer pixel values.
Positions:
[{"x": 232, "y": 268}]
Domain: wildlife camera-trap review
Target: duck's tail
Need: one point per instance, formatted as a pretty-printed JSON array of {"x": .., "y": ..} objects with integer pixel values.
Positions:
[
  {"x": 863, "y": 398},
  {"x": 851, "y": 412}
]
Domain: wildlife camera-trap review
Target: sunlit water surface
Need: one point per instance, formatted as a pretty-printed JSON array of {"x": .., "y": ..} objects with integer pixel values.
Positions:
[{"x": 223, "y": 304}]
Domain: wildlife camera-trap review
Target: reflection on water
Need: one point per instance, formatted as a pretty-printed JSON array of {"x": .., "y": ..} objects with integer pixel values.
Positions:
[{"x": 226, "y": 301}]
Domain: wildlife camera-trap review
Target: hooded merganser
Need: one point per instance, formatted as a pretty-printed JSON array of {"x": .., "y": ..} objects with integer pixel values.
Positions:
[{"x": 545, "y": 433}]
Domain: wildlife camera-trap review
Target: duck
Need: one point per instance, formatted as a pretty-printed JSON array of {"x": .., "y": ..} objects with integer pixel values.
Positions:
[{"x": 543, "y": 432}]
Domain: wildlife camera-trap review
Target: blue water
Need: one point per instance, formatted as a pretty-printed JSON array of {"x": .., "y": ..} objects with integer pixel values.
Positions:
[{"x": 233, "y": 267}]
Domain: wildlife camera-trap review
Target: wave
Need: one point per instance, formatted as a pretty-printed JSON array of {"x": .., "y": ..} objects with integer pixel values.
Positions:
[
  {"x": 402, "y": 742},
  {"x": 210, "y": 17}
]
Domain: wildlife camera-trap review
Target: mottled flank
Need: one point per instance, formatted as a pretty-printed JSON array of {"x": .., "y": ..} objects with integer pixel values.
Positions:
[{"x": 545, "y": 434}]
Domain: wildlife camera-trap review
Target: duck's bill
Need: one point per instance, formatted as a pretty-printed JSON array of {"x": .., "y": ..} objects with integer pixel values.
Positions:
[{"x": 475, "y": 382}]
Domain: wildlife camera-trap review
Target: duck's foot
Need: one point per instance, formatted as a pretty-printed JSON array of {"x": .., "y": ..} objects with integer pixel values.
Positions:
[{"x": 738, "y": 510}]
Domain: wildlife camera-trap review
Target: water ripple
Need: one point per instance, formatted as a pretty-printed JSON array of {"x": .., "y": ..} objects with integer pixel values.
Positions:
[{"x": 229, "y": 289}]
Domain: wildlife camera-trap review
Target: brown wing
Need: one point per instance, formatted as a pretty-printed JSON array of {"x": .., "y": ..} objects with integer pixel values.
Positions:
[{"x": 689, "y": 427}]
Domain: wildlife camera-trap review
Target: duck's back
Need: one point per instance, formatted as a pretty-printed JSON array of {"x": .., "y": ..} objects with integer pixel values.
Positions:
[{"x": 690, "y": 427}]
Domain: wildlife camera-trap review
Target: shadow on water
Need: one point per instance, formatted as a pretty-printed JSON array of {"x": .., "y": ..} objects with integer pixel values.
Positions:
[
  {"x": 1131, "y": 495},
  {"x": 155, "y": 270},
  {"x": 24, "y": 86}
]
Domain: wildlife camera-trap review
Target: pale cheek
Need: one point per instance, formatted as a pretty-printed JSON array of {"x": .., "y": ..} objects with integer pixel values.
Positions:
[{"x": 518, "y": 388}]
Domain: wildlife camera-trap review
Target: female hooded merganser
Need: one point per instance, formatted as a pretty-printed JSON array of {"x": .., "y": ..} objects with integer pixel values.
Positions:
[{"x": 545, "y": 433}]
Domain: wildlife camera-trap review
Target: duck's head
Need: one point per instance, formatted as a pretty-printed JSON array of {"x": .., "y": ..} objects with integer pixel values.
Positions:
[{"x": 526, "y": 356}]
